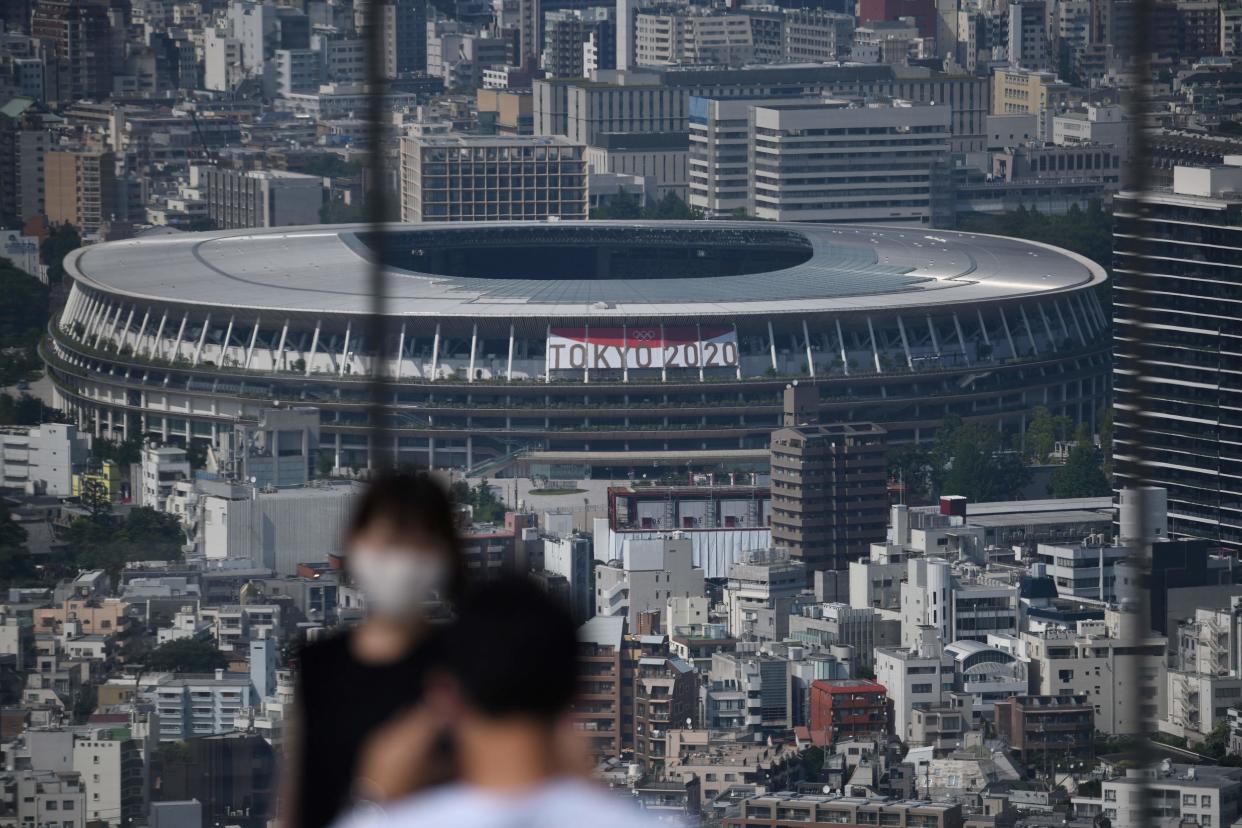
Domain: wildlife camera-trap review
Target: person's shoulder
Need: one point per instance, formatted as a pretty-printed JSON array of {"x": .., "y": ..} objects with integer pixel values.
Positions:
[
  {"x": 608, "y": 809},
  {"x": 328, "y": 653},
  {"x": 445, "y": 805}
]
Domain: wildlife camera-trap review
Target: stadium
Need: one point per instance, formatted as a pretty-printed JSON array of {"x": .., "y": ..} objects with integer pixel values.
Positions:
[{"x": 593, "y": 346}]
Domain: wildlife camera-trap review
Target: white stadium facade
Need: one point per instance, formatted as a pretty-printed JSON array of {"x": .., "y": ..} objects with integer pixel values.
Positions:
[{"x": 609, "y": 344}]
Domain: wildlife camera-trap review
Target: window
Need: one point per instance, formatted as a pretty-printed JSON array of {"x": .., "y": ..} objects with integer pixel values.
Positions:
[{"x": 1110, "y": 795}]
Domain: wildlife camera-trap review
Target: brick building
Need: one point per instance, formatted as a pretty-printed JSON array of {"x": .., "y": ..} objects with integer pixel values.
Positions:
[{"x": 849, "y": 709}]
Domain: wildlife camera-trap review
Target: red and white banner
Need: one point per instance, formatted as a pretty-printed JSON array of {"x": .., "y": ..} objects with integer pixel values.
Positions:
[{"x": 601, "y": 349}]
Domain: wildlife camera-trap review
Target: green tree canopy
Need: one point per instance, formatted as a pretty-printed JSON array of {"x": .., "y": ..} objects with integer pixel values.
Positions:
[
  {"x": 16, "y": 565},
  {"x": 63, "y": 241},
  {"x": 186, "y": 655},
  {"x": 1083, "y": 472},
  {"x": 977, "y": 466}
]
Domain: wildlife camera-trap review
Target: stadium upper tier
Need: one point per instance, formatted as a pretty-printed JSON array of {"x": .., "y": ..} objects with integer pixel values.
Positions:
[
  {"x": 621, "y": 339},
  {"x": 609, "y": 270}
]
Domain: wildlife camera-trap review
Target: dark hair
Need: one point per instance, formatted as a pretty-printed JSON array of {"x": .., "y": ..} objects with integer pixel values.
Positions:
[
  {"x": 414, "y": 502},
  {"x": 514, "y": 650}
]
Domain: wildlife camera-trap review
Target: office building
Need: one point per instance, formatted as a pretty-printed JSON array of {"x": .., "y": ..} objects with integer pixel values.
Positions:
[
  {"x": 23, "y": 141},
  {"x": 835, "y": 161},
  {"x": 112, "y": 762},
  {"x": 597, "y": 711},
  {"x": 1174, "y": 322},
  {"x": 571, "y": 559},
  {"x": 1043, "y": 729},
  {"x": 918, "y": 677},
  {"x": 649, "y": 573},
  {"x": 42, "y": 459},
  {"x": 201, "y": 705},
  {"x": 760, "y": 594},
  {"x": 829, "y": 501},
  {"x": 1095, "y": 660},
  {"x": 258, "y": 198},
  {"x": 1028, "y": 35},
  {"x": 661, "y": 156},
  {"x": 161, "y": 469},
  {"x": 80, "y": 187},
  {"x": 849, "y": 709},
  {"x": 491, "y": 178},
  {"x": 79, "y": 35},
  {"x": 1201, "y": 794},
  {"x": 804, "y": 810}
]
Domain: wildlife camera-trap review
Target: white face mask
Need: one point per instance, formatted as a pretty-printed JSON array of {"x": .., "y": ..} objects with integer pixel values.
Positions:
[{"x": 397, "y": 584}]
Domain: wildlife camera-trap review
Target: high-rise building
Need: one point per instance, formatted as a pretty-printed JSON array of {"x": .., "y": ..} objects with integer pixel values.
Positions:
[
  {"x": 80, "y": 187},
  {"x": 598, "y": 708},
  {"x": 834, "y": 161},
  {"x": 258, "y": 198},
  {"x": 404, "y": 33},
  {"x": 491, "y": 178},
  {"x": 829, "y": 500},
  {"x": 1176, "y": 321},
  {"x": 1028, "y": 35},
  {"x": 80, "y": 35},
  {"x": 23, "y": 141}
]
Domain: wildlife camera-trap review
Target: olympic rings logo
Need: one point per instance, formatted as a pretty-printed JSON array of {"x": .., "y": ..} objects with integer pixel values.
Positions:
[{"x": 642, "y": 336}]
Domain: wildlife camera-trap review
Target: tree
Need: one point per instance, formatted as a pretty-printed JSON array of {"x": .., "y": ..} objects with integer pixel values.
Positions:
[
  {"x": 1083, "y": 473},
  {"x": 972, "y": 463},
  {"x": 63, "y": 241},
  {"x": 196, "y": 453},
  {"x": 16, "y": 564},
  {"x": 25, "y": 410},
  {"x": 186, "y": 655},
  {"x": 670, "y": 208},
  {"x": 1040, "y": 435},
  {"x": 624, "y": 205},
  {"x": 103, "y": 543},
  {"x": 122, "y": 452},
  {"x": 911, "y": 464}
]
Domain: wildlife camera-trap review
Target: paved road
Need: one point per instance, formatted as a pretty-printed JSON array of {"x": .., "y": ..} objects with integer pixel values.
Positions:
[{"x": 41, "y": 388}]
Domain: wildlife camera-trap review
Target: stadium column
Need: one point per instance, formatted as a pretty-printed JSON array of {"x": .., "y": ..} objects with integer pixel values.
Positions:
[
  {"x": 254, "y": 338},
  {"x": 810, "y": 360},
  {"x": 129, "y": 320},
  {"x": 202, "y": 340},
  {"x": 349, "y": 329},
  {"x": 1086, "y": 317},
  {"x": 698, "y": 328},
  {"x": 875, "y": 350},
  {"x": 1077, "y": 327},
  {"x": 142, "y": 331},
  {"x": 228, "y": 336},
  {"x": 116, "y": 322},
  {"x": 983, "y": 328},
  {"x": 474, "y": 343},
  {"x": 905, "y": 343},
  {"x": 159, "y": 335},
  {"x": 1061, "y": 318},
  {"x": 931, "y": 331},
  {"x": 509, "y": 365},
  {"x": 961, "y": 340},
  {"x": 845, "y": 363},
  {"x": 435, "y": 353},
  {"x": 400, "y": 350},
  {"x": 176, "y": 351},
  {"x": 278, "y": 358},
  {"x": 314, "y": 346},
  {"x": 738, "y": 372},
  {"x": 772, "y": 344},
  {"x": 1030, "y": 334},
  {"x": 1013, "y": 349},
  {"x": 1052, "y": 340}
]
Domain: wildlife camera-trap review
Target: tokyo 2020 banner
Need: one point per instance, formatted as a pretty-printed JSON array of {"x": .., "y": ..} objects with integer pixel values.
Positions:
[{"x": 600, "y": 349}]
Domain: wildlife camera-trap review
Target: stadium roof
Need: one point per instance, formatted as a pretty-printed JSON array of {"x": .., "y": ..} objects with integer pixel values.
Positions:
[{"x": 325, "y": 270}]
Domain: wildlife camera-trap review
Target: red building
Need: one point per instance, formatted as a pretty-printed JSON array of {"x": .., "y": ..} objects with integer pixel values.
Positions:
[
  {"x": 849, "y": 709},
  {"x": 923, "y": 11}
]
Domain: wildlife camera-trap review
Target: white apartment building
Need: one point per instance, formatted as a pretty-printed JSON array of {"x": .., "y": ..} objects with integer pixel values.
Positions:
[
  {"x": 1028, "y": 35},
  {"x": 42, "y": 798},
  {"x": 112, "y": 765},
  {"x": 816, "y": 35},
  {"x": 834, "y": 161},
  {"x": 206, "y": 705},
  {"x": 649, "y": 573},
  {"x": 162, "y": 468},
  {"x": 1179, "y": 794},
  {"x": 42, "y": 458},
  {"x": 692, "y": 37},
  {"x": 1206, "y": 679},
  {"x": 492, "y": 178},
  {"x": 920, "y": 676},
  {"x": 959, "y": 609},
  {"x": 760, "y": 594},
  {"x": 1081, "y": 571},
  {"x": 298, "y": 70},
  {"x": 1094, "y": 660},
  {"x": 876, "y": 582}
]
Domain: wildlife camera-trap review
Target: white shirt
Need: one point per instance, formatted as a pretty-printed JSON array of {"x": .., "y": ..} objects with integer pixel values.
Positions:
[{"x": 564, "y": 802}]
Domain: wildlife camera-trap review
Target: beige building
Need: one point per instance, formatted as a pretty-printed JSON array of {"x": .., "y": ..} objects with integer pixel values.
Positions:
[
  {"x": 1097, "y": 660},
  {"x": 95, "y": 617},
  {"x": 1023, "y": 91},
  {"x": 829, "y": 501},
  {"x": 79, "y": 187},
  {"x": 492, "y": 178}
]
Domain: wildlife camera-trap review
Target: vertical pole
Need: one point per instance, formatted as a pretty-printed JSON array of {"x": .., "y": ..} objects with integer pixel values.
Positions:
[
  {"x": 509, "y": 364},
  {"x": 474, "y": 342},
  {"x": 202, "y": 338},
  {"x": 314, "y": 347},
  {"x": 845, "y": 363},
  {"x": 278, "y": 360},
  {"x": 349, "y": 329},
  {"x": 400, "y": 350},
  {"x": 772, "y": 344},
  {"x": 254, "y": 337},
  {"x": 875, "y": 350},
  {"x": 806, "y": 337},
  {"x": 435, "y": 353}
]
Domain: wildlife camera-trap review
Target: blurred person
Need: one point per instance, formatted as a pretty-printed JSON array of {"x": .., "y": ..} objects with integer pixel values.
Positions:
[
  {"x": 403, "y": 554},
  {"x": 511, "y": 676}
]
